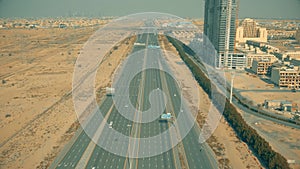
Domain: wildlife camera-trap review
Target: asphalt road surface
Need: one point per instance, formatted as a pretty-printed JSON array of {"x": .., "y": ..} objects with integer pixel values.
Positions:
[{"x": 116, "y": 153}]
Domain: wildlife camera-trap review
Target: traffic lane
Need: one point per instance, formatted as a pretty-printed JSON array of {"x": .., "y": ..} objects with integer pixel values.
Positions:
[
  {"x": 77, "y": 149},
  {"x": 120, "y": 124},
  {"x": 109, "y": 141},
  {"x": 191, "y": 140},
  {"x": 197, "y": 154},
  {"x": 154, "y": 158},
  {"x": 164, "y": 160},
  {"x": 72, "y": 157},
  {"x": 177, "y": 102},
  {"x": 75, "y": 157},
  {"x": 119, "y": 121}
]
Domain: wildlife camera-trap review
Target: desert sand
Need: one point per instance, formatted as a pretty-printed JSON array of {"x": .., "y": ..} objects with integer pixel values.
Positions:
[
  {"x": 241, "y": 82},
  {"x": 283, "y": 139},
  {"x": 37, "y": 117}
]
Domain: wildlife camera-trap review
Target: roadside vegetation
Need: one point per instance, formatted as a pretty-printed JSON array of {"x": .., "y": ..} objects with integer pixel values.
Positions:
[{"x": 259, "y": 146}]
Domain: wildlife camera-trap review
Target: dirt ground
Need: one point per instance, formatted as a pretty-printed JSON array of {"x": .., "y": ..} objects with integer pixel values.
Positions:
[
  {"x": 283, "y": 139},
  {"x": 230, "y": 151},
  {"x": 36, "y": 116},
  {"x": 241, "y": 82}
]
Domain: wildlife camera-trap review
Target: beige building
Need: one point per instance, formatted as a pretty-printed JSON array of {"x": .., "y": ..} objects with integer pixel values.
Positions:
[
  {"x": 292, "y": 55},
  {"x": 283, "y": 105},
  {"x": 254, "y": 53},
  {"x": 262, "y": 66},
  {"x": 286, "y": 77},
  {"x": 250, "y": 31},
  {"x": 298, "y": 36},
  {"x": 259, "y": 56}
]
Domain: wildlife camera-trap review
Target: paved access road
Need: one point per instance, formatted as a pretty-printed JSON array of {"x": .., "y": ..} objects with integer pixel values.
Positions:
[{"x": 84, "y": 153}]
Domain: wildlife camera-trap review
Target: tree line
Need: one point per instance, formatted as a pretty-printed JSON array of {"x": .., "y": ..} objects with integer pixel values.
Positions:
[{"x": 261, "y": 148}]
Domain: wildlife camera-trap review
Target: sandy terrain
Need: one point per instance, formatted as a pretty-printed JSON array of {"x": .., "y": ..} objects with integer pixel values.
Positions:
[
  {"x": 284, "y": 140},
  {"x": 241, "y": 82},
  {"x": 36, "y": 115},
  {"x": 236, "y": 153}
]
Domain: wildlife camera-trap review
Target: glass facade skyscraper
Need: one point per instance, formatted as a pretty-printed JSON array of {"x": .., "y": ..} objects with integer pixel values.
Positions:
[
  {"x": 220, "y": 28},
  {"x": 220, "y": 24}
]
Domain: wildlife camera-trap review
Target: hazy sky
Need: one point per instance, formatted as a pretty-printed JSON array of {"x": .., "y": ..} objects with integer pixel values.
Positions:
[{"x": 182, "y": 8}]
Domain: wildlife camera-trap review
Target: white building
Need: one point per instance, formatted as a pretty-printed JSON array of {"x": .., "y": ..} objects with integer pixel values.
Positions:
[
  {"x": 234, "y": 61},
  {"x": 254, "y": 53}
]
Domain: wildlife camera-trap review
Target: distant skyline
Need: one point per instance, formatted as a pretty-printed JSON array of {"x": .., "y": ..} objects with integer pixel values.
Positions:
[{"x": 280, "y": 9}]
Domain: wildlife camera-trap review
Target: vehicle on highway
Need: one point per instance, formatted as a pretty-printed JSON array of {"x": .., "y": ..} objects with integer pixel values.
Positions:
[
  {"x": 110, "y": 91},
  {"x": 166, "y": 116},
  {"x": 110, "y": 124}
]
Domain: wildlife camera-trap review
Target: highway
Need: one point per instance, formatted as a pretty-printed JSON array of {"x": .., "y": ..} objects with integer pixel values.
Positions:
[{"x": 136, "y": 151}]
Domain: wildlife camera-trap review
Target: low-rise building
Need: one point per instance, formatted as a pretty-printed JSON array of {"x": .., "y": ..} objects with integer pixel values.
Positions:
[
  {"x": 297, "y": 36},
  {"x": 295, "y": 54},
  {"x": 288, "y": 106},
  {"x": 254, "y": 53},
  {"x": 269, "y": 104},
  {"x": 286, "y": 76},
  {"x": 262, "y": 66},
  {"x": 283, "y": 105},
  {"x": 256, "y": 43},
  {"x": 231, "y": 61},
  {"x": 251, "y": 56}
]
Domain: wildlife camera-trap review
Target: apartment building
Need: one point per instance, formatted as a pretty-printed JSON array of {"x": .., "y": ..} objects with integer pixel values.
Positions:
[
  {"x": 262, "y": 66},
  {"x": 286, "y": 76},
  {"x": 259, "y": 56}
]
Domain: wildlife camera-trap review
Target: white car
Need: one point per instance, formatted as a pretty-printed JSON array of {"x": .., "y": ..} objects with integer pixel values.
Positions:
[{"x": 110, "y": 124}]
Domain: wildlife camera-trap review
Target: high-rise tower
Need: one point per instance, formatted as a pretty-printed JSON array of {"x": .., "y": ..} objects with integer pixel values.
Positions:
[
  {"x": 220, "y": 27},
  {"x": 220, "y": 23}
]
